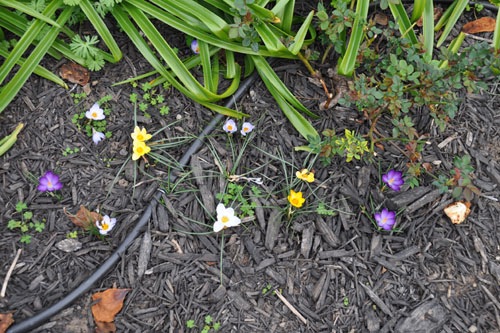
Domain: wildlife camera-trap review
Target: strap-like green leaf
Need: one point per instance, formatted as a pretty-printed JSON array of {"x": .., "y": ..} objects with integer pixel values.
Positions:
[
  {"x": 28, "y": 11},
  {"x": 300, "y": 37},
  {"x": 346, "y": 66},
  {"x": 268, "y": 74},
  {"x": 405, "y": 26},
  {"x": 10, "y": 90},
  {"x": 454, "y": 16},
  {"x": 428, "y": 28},
  {"x": 39, "y": 70},
  {"x": 188, "y": 9},
  {"x": 199, "y": 34},
  {"x": 101, "y": 29},
  {"x": 26, "y": 40}
]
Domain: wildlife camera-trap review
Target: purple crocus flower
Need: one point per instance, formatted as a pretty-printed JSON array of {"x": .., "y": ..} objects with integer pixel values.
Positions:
[
  {"x": 393, "y": 179},
  {"x": 194, "y": 47},
  {"x": 49, "y": 182},
  {"x": 385, "y": 219}
]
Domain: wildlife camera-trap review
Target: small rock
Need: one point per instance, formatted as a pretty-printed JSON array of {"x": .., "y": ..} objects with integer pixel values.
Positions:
[{"x": 69, "y": 245}]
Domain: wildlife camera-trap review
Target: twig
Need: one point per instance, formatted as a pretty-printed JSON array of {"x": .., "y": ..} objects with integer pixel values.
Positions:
[
  {"x": 290, "y": 306},
  {"x": 9, "y": 272}
]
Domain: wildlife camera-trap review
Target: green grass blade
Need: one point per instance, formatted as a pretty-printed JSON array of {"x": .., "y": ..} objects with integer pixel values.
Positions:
[
  {"x": 446, "y": 15},
  {"x": 206, "y": 65},
  {"x": 225, "y": 111},
  {"x": 453, "y": 48},
  {"x": 101, "y": 29},
  {"x": 418, "y": 10},
  {"x": 300, "y": 37},
  {"x": 267, "y": 73},
  {"x": 428, "y": 28},
  {"x": 496, "y": 33},
  {"x": 401, "y": 17},
  {"x": 28, "y": 11},
  {"x": 284, "y": 9},
  {"x": 10, "y": 90},
  {"x": 199, "y": 34},
  {"x": 26, "y": 40},
  {"x": 188, "y": 9},
  {"x": 298, "y": 121},
  {"x": 346, "y": 66},
  {"x": 450, "y": 23},
  {"x": 270, "y": 40},
  {"x": 39, "y": 70}
]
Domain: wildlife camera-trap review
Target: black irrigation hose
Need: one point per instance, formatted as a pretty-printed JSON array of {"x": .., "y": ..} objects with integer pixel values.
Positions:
[{"x": 41, "y": 317}]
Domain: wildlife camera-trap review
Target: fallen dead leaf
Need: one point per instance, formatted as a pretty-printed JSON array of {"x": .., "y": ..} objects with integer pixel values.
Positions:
[
  {"x": 457, "y": 211},
  {"x": 84, "y": 218},
  {"x": 107, "y": 304},
  {"x": 102, "y": 327},
  {"x": 484, "y": 24},
  {"x": 381, "y": 19},
  {"x": 6, "y": 320},
  {"x": 74, "y": 73},
  {"x": 438, "y": 11}
]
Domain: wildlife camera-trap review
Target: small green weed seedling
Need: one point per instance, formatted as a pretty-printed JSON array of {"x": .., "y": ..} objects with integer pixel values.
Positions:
[
  {"x": 350, "y": 146},
  {"x": 25, "y": 223},
  {"x": 87, "y": 49},
  {"x": 235, "y": 193},
  {"x": 70, "y": 151},
  {"x": 88, "y": 126},
  {"x": 151, "y": 97},
  {"x": 208, "y": 326},
  {"x": 78, "y": 97},
  {"x": 460, "y": 179}
]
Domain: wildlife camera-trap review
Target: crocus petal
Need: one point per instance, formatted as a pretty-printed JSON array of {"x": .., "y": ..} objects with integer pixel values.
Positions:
[
  {"x": 97, "y": 136},
  {"x": 218, "y": 226}
]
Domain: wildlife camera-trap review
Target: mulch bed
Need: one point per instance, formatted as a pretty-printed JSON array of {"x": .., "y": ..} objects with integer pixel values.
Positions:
[{"x": 337, "y": 273}]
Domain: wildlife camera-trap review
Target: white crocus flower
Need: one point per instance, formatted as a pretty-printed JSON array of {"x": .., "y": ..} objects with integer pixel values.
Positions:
[
  {"x": 105, "y": 225},
  {"x": 95, "y": 113},
  {"x": 225, "y": 218},
  {"x": 97, "y": 136}
]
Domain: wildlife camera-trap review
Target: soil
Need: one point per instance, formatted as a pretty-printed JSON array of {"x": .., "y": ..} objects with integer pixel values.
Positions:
[{"x": 312, "y": 273}]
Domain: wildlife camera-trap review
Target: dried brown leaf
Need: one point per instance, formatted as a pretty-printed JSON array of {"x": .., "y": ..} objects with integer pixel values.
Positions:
[
  {"x": 74, "y": 73},
  {"x": 84, "y": 218},
  {"x": 108, "y": 304},
  {"x": 484, "y": 24},
  {"x": 102, "y": 327},
  {"x": 381, "y": 19},
  {"x": 438, "y": 11},
  {"x": 457, "y": 211},
  {"x": 6, "y": 320}
]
